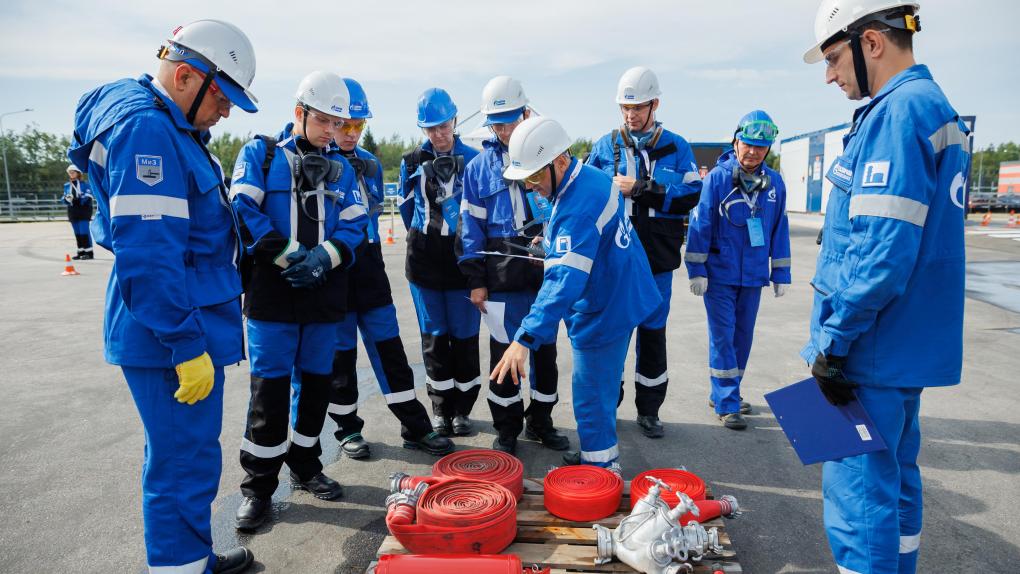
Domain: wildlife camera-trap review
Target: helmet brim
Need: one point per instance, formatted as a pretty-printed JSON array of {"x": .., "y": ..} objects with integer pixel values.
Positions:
[
  {"x": 503, "y": 117},
  {"x": 519, "y": 173},
  {"x": 240, "y": 97},
  {"x": 814, "y": 55}
]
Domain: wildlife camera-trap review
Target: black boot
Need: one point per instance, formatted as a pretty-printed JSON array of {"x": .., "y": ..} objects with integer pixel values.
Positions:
[
  {"x": 320, "y": 486},
  {"x": 571, "y": 458},
  {"x": 462, "y": 425},
  {"x": 354, "y": 446},
  {"x": 233, "y": 561},
  {"x": 252, "y": 513},
  {"x": 546, "y": 433},
  {"x": 442, "y": 425},
  {"x": 507, "y": 444},
  {"x": 431, "y": 443},
  {"x": 650, "y": 426},
  {"x": 87, "y": 255},
  {"x": 80, "y": 255}
]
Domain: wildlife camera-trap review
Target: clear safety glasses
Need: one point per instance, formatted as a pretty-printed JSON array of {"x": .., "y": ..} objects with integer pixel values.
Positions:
[
  {"x": 443, "y": 128},
  {"x": 324, "y": 121},
  {"x": 759, "y": 130},
  {"x": 833, "y": 56},
  {"x": 634, "y": 108}
]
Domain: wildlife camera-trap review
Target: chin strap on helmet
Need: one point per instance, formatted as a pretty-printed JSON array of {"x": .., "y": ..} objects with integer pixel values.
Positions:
[{"x": 860, "y": 68}]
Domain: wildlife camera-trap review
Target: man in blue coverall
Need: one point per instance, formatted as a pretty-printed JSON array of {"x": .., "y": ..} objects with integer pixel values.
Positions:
[
  {"x": 173, "y": 313},
  {"x": 889, "y": 284},
  {"x": 300, "y": 226},
  {"x": 370, "y": 310},
  {"x": 500, "y": 216},
  {"x": 654, "y": 169},
  {"x": 593, "y": 264},
  {"x": 738, "y": 241},
  {"x": 431, "y": 185}
]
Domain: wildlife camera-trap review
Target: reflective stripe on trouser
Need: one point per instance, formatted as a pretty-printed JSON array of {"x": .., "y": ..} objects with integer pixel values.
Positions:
[
  {"x": 651, "y": 378},
  {"x": 872, "y": 502},
  {"x": 731, "y": 314},
  {"x": 181, "y": 470},
  {"x": 275, "y": 351},
  {"x": 506, "y": 400},
  {"x": 449, "y": 341},
  {"x": 385, "y": 350},
  {"x": 597, "y": 372}
]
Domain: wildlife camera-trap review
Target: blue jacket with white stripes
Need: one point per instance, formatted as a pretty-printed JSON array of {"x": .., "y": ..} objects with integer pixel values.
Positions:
[
  {"x": 78, "y": 197},
  {"x": 890, "y": 276},
  {"x": 369, "y": 286},
  {"x": 664, "y": 193},
  {"x": 432, "y": 230},
  {"x": 275, "y": 219},
  {"x": 597, "y": 278},
  {"x": 174, "y": 288},
  {"x": 493, "y": 212},
  {"x": 718, "y": 240}
]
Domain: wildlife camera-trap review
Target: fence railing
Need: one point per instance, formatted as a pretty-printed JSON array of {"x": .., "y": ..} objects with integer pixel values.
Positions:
[{"x": 32, "y": 207}]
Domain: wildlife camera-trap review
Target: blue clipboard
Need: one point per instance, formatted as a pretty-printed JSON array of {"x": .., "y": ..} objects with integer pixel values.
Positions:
[{"x": 819, "y": 431}]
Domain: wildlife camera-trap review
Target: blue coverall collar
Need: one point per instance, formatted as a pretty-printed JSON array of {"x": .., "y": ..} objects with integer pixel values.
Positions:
[
  {"x": 567, "y": 180},
  {"x": 915, "y": 72}
]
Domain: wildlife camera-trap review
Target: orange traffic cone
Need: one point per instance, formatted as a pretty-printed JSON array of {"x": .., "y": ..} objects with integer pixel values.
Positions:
[
  {"x": 1012, "y": 219},
  {"x": 986, "y": 219},
  {"x": 69, "y": 268},
  {"x": 389, "y": 236}
]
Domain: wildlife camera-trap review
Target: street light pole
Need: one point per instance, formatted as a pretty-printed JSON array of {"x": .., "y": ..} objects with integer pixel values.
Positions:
[{"x": 3, "y": 151}]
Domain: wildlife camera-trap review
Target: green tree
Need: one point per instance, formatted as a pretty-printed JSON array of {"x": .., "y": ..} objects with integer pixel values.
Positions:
[
  {"x": 226, "y": 147},
  {"x": 368, "y": 142},
  {"x": 36, "y": 161},
  {"x": 985, "y": 164},
  {"x": 581, "y": 148},
  {"x": 772, "y": 160}
]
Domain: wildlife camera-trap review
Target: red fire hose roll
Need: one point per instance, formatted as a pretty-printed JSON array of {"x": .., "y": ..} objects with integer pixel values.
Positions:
[
  {"x": 679, "y": 480},
  {"x": 456, "y": 516},
  {"x": 449, "y": 564},
  {"x": 582, "y": 493},
  {"x": 486, "y": 465}
]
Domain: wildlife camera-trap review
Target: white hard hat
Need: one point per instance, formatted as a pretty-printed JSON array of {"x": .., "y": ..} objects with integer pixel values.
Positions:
[
  {"x": 535, "y": 144},
  {"x": 637, "y": 86},
  {"x": 836, "y": 16},
  {"x": 224, "y": 46},
  {"x": 326, "y": 92},
  {"x": 73, "y": 167},
  {"x": 503, "y": 100}
]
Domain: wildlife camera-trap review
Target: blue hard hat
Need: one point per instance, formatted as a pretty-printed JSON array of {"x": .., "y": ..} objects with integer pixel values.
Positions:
[
  {"x": 503, "y": 117},
  {"x": 435, "y": 106},
  {"x": 757, "y": 128},
  {"x": 235, "y": 93},
  {"x": 359, "y": 101}
]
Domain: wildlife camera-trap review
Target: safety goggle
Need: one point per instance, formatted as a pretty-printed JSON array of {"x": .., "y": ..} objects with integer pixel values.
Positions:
[
  {"x": 833, "y": 56},
  {"x": 445, "y": 127},
  {"x": 634, "y": 108},
  {"x": 535, "y": 178},
  {"x": 351, "y": 127},
  {"x": 323, "y": 120},
  {"x": 759, "y": 130}
]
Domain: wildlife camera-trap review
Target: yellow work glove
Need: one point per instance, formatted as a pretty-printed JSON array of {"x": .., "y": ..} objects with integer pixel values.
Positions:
[{"x": 195, "y": 378}]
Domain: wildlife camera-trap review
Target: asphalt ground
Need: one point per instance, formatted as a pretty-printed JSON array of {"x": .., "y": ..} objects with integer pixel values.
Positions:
[{"x": 71, "y": 442}]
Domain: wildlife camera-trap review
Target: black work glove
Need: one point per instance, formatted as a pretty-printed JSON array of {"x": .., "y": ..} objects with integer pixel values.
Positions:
[
  {"x": 828, "y": 373},
  {"x": 643, "y": 186}
]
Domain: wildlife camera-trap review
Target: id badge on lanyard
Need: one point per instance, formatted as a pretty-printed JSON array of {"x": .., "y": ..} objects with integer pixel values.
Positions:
[
  {"x": 755, "y": 232},
  {"x": 449, "y": 205},
  {"x": 541, "y": 208}
]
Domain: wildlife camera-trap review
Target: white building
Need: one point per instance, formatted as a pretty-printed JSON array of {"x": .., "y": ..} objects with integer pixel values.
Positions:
[{"x": 804, "y": 161}]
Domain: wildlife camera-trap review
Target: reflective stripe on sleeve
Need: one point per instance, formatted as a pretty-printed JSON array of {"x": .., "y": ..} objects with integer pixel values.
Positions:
[
  {"x": 777, "y": 263},
  {"x": 251, "y": 191},
  {"x": 889, "y": 206},
  {"x": 352, "y": 212},
  {"x": 609, "y": 211},
  {"x": 98, "y": 154},
  {"x": 948, "y": 135},
  {"x": 575, "y": 260},
  {"x": 474, "y": 210},
  {"x": 148, "y": 206},
  {"x": 697, "y": 257},
  {"x": 691, "y": 177}
]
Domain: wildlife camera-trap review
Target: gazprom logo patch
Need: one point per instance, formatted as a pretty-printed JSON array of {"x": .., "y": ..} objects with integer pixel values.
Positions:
[
  {"x": 515, "y": 163},
  {"x": 357, "y": 107},
  {"x": 336, "y": 108},
  {"x": 628, "y": 96},
  {"x": 499, "y": 103}
]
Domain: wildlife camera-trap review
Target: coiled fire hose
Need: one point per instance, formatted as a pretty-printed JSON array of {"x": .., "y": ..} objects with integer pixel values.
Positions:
[
  {"x": 448, "y": 564},
  {"x": 453, "y": 516},
  {"x": 582, "y": 493},
  {"x": 479, "y": 464},
  {"x": 678, "y": 480}
]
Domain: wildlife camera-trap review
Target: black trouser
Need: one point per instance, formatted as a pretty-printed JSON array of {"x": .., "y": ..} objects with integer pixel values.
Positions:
[
  {"x": 650, "y": 378},
  {"x": 506, "y": 400},
  {"x": 453, "y": 370},
  {"x": 268, "y": 422},
  {"x": 396, "y": 381}
]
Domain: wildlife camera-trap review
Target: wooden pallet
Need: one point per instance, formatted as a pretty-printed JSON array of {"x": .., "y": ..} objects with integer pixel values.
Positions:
[{"x": 565, "y": 546}]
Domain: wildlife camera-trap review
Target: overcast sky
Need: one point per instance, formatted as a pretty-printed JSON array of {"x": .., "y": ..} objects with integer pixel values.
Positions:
[{"x": 715, "y": 60}]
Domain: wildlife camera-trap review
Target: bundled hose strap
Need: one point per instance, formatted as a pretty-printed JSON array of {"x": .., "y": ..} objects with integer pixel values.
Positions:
[
  {"x": 479, "y": 464},
  {"x": 582, "y": 493},
  {"x": 678, "y": 480},
  {"x": 453, "y": 516}
]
